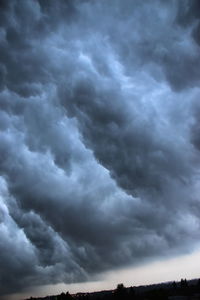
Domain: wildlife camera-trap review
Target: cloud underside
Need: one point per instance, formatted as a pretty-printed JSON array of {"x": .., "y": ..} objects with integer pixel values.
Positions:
[{"x": 99, "y": 136}]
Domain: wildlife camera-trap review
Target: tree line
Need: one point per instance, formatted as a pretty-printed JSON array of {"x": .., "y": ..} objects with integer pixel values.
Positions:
[{"x": 165, "y": 291}]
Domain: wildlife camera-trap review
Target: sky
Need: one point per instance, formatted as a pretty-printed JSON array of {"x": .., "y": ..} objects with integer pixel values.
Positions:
[{"x": 99, "y": 142}]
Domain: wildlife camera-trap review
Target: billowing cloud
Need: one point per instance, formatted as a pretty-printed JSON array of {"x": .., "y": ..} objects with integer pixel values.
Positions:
[{"x": 99, "y": 136}]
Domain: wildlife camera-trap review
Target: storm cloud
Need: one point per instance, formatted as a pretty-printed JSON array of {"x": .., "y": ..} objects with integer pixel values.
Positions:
[{"x": 99, "y": 136}]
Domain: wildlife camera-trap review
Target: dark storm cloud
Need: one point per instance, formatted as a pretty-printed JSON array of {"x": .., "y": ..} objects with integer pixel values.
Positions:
[{"x": 99, "y": 146}]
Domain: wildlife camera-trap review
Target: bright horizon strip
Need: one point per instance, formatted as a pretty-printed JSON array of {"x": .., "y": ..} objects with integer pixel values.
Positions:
[{"x": 173, "y": 269}]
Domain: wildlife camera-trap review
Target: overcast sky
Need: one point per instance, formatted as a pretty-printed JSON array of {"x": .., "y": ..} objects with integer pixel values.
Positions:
[{"x": 99, "y": 137}]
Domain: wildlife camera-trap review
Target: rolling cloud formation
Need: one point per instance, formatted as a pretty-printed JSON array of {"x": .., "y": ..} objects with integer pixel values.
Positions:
[{"x": 99, "y": 136}]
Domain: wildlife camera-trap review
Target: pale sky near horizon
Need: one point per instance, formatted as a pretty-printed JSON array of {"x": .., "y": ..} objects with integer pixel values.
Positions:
[
  {"x": 99, "y": 142},
  {"x": 171, "y": 269}
]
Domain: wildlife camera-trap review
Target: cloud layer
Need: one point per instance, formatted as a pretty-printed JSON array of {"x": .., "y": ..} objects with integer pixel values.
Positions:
[{"x": 99, "y": 136}]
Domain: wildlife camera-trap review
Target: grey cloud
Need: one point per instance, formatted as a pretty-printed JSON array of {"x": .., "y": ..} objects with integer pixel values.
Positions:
[
  {"x": 98, "y": 137},
  {"x": 14, "y": 262}
]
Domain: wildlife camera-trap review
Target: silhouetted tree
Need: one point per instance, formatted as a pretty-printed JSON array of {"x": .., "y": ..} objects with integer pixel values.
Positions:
[
  {"x": 68, "y": 296},
  {"x": 184, "y": 283},
  {"x": 174, "y": 285},
  {"x": 64, "y": 296},
  {"x": 120, "y": 292}
]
